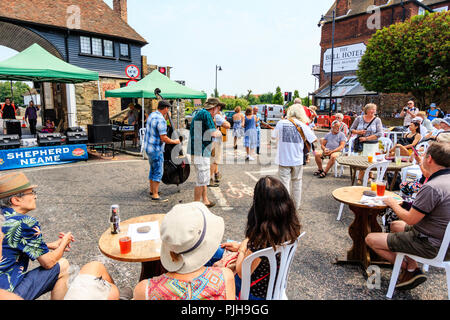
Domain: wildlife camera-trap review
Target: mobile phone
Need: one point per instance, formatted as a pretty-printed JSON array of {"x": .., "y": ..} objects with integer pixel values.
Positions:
[{"x": 415, "y": 151}]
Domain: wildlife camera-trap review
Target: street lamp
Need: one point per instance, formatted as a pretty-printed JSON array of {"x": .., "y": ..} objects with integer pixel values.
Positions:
[
  {"x": 320, "y": 24},
  {"x": 218, "y": 68}
]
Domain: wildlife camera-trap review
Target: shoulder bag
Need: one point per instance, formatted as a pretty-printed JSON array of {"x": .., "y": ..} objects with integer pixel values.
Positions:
[{"x": 358, "y": 145}]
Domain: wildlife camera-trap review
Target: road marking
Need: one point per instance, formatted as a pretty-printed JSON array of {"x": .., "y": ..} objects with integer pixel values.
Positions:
[{"x": 221, "y": 199}]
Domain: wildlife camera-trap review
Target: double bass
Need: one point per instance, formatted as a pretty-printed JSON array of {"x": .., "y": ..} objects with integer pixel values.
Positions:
[{"x": 176, "y": 166}]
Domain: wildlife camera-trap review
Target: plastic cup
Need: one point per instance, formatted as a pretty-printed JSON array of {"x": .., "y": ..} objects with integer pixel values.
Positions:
[
  {"x": 125, "y": 245},
  {"x": 381, "y": 188},
  {"x": 370, "y": 158},
  {"x": 398, "y": 161}
]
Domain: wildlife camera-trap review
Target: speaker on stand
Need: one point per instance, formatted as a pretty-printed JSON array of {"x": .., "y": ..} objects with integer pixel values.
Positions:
[{"x": 101, "y": 130}]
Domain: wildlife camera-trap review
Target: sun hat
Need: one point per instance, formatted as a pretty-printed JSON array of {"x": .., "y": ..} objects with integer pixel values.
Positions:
[
  {"x": 446, "y": 120},
  {"x": 433, "y": 105},
  {"x": 14, "y": 183},
  {"x": 193, "y": 234},
  {"x": 213, "y": 102}
]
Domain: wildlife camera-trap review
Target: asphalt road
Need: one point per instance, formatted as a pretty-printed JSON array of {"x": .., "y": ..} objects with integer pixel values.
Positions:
[{"x": 77, "y": 198}]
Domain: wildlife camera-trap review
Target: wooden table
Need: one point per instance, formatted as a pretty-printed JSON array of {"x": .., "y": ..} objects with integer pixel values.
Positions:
[
  {"x": 361, "y": 163},
  {"x": 364, "y": 223},
  {"x": 146, "y": 252}
]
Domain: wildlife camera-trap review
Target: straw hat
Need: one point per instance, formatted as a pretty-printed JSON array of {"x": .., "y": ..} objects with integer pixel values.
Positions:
[
  {"x": 193, "y": 233},
  {"x": 14, "y": 183}
]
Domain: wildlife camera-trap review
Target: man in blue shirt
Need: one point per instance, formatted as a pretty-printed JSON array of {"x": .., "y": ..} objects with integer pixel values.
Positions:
[
  {"x": 202, "y": 130},
  {"x": 154, "y": 142},
  {"x": 23, "y": 241}
]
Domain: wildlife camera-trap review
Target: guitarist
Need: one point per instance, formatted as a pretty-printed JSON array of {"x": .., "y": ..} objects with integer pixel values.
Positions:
[{"x": 154, "y": 142}]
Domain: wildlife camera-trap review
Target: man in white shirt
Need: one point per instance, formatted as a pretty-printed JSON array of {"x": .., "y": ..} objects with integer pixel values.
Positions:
[
  {"x": 290, "y": 151},
  {"x": 409, "y": 112}
]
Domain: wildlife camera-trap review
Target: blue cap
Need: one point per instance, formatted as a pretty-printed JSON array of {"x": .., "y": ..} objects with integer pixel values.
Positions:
[{"x": 433, "y": 105}]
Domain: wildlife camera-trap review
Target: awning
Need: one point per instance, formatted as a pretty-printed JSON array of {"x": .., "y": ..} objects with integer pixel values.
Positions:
[
  {"x": 37, "y": 64},
  {"x": 346, "y": 87}
]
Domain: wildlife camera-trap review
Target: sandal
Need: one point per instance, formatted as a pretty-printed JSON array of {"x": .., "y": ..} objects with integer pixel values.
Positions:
[
  {"x": 322, "y": 175},
  {"x": 318, "y": 172}
]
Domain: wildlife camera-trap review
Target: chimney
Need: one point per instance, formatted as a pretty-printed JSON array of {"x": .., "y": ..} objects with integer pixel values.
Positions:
[
  {"x": 343, "y": 7},
  {"x": 120, "y": 7}
]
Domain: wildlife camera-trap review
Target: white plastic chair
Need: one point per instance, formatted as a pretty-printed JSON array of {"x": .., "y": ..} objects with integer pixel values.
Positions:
[
  {"x": 387, "y": 144},
  {"x": 421, "y": 145},
  {"x": 381, "y": 171},
  {"x": 411, "y": 173},
  {"x": 276, "y": 289},
  {"x": 142, "y": 132},
  {"x": 438, "y": 262}
]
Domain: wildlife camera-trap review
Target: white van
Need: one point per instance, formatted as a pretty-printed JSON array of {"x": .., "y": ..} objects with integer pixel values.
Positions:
[{"x": 271, "y": 113}]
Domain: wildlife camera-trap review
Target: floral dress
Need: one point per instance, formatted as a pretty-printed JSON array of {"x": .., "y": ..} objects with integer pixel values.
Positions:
[{"x": 22, "y": 241}]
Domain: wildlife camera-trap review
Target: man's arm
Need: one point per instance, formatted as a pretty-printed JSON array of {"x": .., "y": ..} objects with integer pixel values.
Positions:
[
  {"x": 164, "y": 138},
  {"x": 50, "y": 259},
  {"x": 341, "y": 146},
  {"x": 410, "y": 217}
]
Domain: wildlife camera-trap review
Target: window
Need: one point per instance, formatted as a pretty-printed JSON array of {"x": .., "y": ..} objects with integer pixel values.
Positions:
[
  {"x": 124, "y": 50},
  {"x": 97, "y": 49},
  {"x": 108, "y": 47},
  {"x": 85, "y": 45}
]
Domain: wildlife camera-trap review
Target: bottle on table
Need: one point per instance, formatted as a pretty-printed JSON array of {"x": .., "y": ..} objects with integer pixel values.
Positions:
[{"x": 115, "y": 219}]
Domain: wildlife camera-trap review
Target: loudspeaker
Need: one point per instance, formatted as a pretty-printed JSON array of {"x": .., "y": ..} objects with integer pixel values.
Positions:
[
  {"x": 77, "y": 137},
  {"x": 13, "y": 127},
  {"x": 75, "y": 129},
  {"x": 100, "y": 133},
  {"x": 49, "y": 139},
  {"x": 11, "y": 141},
  {"x": 100, "y": 112}
]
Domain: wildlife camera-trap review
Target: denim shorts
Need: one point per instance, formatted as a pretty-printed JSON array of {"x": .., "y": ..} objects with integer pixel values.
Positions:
[
  {"x": 156, "y": 167},
  {"x": 37, "y": 282}
]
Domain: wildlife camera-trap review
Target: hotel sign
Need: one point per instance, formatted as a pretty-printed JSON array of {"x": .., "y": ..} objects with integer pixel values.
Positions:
[{"x": 346, "y": 58}]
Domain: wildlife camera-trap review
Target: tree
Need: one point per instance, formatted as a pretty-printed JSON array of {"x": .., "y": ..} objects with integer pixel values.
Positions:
[
  {"x": 278, "y": 97},
  {"x": 19, "y": 89},
  {"x": 296, "y": 95},
  {"x": 266, "y": 98},
  {"x": 410, "y": 57}
]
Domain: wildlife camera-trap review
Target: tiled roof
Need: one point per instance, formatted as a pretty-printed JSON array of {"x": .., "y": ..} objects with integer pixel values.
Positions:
[{"x": 96, "y": 16}]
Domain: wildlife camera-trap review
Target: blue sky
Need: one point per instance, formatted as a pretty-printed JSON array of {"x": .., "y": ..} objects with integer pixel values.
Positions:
[{"x": 260, "y": 44}]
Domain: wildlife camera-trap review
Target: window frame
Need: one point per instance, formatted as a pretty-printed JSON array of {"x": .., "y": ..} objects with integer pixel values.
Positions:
[
  {"x": 102, "y": 56},
  {"x": 121, "y": 56}
]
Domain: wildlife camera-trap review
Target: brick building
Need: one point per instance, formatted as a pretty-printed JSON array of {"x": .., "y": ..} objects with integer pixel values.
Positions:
[
  {"x": 355, "y": 23},
  {"x": 87, "y": 34}
]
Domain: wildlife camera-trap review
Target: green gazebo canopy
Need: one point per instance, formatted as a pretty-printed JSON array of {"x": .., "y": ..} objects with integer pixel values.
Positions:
[
  {"x": 146, "y": 88},
  {"x": 37, "y": 64}
]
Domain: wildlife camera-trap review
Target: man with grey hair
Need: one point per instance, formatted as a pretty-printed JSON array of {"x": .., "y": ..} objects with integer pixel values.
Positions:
[
  {"x": 343, "y": 126},
  {"x": 332, "y": 145},
  {"x": 23, "y": 242},
  {"x": 292, "y": 134},
  {"x": 421, "y": 229}
]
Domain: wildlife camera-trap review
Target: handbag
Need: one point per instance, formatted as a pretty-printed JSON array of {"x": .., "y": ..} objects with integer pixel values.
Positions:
[{"x": 358, "y": 145}]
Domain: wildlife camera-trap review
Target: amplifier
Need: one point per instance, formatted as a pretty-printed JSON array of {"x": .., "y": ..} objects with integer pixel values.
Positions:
[
  {"x": 49, "y": 139},
  {"x": 77, "y": 137},
  {"x": 74, "y": 129},
  {"x": 11, "y": 141}
]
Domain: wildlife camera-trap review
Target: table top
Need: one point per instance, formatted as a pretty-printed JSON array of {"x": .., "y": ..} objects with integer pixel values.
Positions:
[
  {"x": 142, "y": 251},
  {"x": 352, "y": 195},
  {"x": 362, "y": 162}
]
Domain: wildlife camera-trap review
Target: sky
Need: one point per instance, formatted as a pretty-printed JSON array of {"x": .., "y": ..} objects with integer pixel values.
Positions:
[{"x": 260, "y": 44}]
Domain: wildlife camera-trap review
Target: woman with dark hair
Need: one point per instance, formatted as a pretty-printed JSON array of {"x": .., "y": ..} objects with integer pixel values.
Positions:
[
  {"x": 408, "y": 141},
  {"x": 272, "y": 220}
]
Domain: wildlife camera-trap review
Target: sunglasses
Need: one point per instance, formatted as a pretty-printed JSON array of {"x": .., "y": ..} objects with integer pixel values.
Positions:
[{"x": 33, "y": 192}]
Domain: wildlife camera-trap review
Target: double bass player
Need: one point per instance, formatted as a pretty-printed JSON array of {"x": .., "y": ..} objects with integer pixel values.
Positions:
[{"x": 154, "y": 142}]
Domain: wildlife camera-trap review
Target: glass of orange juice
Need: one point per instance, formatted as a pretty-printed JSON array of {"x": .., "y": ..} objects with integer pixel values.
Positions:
[
  {"x": 370, "y": 158},
  {"x": 373, "y": 186}
]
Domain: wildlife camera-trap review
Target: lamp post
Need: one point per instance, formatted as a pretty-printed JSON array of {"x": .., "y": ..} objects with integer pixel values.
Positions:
[
  {"x": 218, "y": 68},
  {"x": 320, "y": 24}
]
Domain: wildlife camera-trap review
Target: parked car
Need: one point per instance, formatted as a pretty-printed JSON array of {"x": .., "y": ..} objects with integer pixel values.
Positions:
[
  {"x": 188, "y": 118},
  {"x": 271, "y": 113},
  {"x": 229, "y": 117}
]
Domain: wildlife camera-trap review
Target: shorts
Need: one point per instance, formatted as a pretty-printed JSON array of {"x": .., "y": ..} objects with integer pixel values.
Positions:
[
  {"x": 320, "y": 152},
  {"x": 203, "y": 167},
  {"x": 156, "y": 167},
  {"x": 412, "y": 242},
  {"x": 88, "y": 287},
  {"x": 217, "y": 152},
  {"x": 37, "y": 282}
]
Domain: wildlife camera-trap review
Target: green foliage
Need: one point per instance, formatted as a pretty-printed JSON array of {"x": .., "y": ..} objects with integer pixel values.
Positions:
[
  {"x": 296, "y": 95},
  {"x": 266, "y": 98},
  {"x": 19, "y": 89},
  {"x": 233, "y": 103},
  {"x": 278, "y": 97},
  {"x": 410, "y": 57}
]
